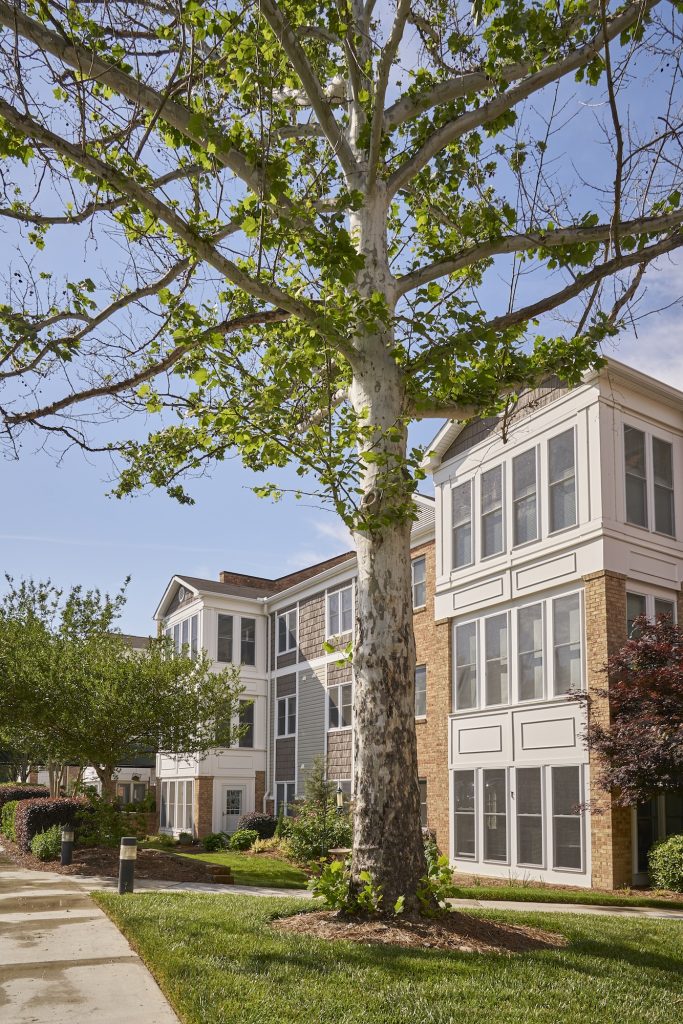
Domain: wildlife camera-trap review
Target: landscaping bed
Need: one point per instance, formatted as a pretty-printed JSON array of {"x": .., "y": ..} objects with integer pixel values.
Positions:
[{"x": 104, "y": 861}]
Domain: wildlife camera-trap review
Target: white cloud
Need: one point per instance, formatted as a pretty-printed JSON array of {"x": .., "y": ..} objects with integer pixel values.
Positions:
[{"x": 330, "y": 537}]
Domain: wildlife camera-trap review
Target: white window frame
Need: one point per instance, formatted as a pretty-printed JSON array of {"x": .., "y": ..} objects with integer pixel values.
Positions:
[
  {"x": 651, "y": 600},
  {"x": 550, "y": 676},
  {"x": 423, "y": 582},
  {"x": 286, "y": 616},
  {"x": 483, "y": 813},
  {"x": 484, "y": 705},
  {"x": 338, "y": 687},
  {"x": 537, "y": 495},
  {"x": 661, "y": 533},
  {"x": 649, "y": 439},
  {"x": 499, "y": 468},
  {"x": 515, "y": 688},
  {"x": 542, "y": 769},
  {"x": 581, "y": 816},
  {"x": 249, "y": 618},
  {"x": 477, "y": 668},
  {"x": 331, "y": 595},
  {"x": 284, "y": 801},
  {"x": 469, "y": 484},
  {"x": 423, "y": 714},
  {"x": 169, "y": 822},
  {"x": 286, "y": 700},
  {"x": 548, "y": 484},
  {"x": 475, "y": 815},
  {"x": 226, "y": 615}
]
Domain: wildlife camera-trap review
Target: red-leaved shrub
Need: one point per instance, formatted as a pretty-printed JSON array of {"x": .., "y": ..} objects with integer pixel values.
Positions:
[
  {"x": 34, "y": 816},
  {"x": 21, "y": 791}
]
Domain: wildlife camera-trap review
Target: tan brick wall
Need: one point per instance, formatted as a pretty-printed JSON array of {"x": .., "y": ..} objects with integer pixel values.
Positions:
[
  {"x": 432, "y": 647},
  {"x": 203, "y": 806},
  {"x": 259, "y": 791},
  {"x": 611, "y": 847},
  {"x": 339, "y": 754},
  {"x": 312, "y": 626}
]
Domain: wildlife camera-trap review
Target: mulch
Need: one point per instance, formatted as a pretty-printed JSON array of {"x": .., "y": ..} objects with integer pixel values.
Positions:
[
  {"x": 102, "y": 860},
  {"x": 453, "y": 932}
]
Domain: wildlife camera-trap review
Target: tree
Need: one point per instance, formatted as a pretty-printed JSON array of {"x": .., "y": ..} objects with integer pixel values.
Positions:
[
  {"x": 306, "y": 210},
  {"x": 74, "y": 693},
  {"x": 641, "y": 749}
]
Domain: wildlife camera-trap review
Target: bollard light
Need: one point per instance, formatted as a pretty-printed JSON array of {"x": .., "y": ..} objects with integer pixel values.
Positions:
[
  {"x": 127, "y": 857},
  {"x": 67, "y": 846}
]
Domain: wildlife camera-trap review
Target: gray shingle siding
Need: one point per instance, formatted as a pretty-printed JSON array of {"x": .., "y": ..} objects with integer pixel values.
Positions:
[
  {"x": 310, "y": 723},
  {"x": 285, "y": 759}
]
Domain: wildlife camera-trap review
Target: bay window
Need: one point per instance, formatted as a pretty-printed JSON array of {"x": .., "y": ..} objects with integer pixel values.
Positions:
[
  {"x": 529, "y": 800},
  {"x": 567, "y": 643},
  {"x": 492, "y": 538},
  {"x": 246, "y": 721},
  {"x": 524, "y": 498},
  {"x": 466, "y": 666},
  {"x": 567, "y": 817},
  {"x": 465, "y": 818},
  {"x": 248, "y": 641},
  {"x": 495, "y": 814},
  {"x": 496, "y": 651},
  {"x": 663, "y": 480},
  {"x": 177, "y": 799},
  {"x": 224, "y": 645},
  {"x": 561, "y": 482},
  {"x": 530, "y": 652},
  {"x": 461, "y": 504},
  {"x": 636, "y": 476}
]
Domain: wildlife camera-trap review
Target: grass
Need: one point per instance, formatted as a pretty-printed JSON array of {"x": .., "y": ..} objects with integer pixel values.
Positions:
[
  {"x": 538, "y": 894},
  {"x": 218, "y": 962},
  {"x": 256, "y": 869}
]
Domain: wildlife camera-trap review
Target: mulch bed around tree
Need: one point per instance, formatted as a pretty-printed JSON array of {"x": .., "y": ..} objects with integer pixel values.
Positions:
[
  {"x": 102, "y": 860},
  {"x": 453, "y": 932}
]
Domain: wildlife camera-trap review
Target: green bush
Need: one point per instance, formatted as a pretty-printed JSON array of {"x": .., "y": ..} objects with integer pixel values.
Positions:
[
  {"x": 665, "y": 861},
  {"x": 333, "y": 885},
  {"x": 316, "y": 830},
  {"x": 162, "y": 841},
  {"x": 186, "y": 838},
  {"x": 7, "y": 820},
  {"x": 47, "y": 845},
  {"x": 243, "y": 839},
  {"x": 264, "y": 824},
  {"x": 216, "y": 841},
  {"x": 101, "y": 823}
]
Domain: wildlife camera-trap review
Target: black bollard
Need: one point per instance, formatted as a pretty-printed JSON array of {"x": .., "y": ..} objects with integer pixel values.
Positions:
[
  {"x": 67, "y": 845},
  {"x": 127, "y": 856}
]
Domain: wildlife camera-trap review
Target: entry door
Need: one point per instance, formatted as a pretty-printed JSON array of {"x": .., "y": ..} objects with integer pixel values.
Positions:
[{"x": 233, "y": 804}]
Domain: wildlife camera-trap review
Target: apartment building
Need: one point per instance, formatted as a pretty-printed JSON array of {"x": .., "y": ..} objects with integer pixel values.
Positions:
[
  {"x": 553, "y": 532},
  {"x": 297, "y": 700}
]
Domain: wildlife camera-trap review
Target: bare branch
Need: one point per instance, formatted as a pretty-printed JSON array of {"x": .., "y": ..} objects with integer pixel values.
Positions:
[{"x": 382, "y": 81}]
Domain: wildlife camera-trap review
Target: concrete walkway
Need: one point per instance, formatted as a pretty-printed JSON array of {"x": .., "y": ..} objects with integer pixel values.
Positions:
[{"x": 62, "y": 961}]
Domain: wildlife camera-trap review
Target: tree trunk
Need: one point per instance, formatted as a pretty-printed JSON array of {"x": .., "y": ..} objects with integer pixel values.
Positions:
[
  {"x": 387, "y": 839},
  {"x": 104, "y": 774}
]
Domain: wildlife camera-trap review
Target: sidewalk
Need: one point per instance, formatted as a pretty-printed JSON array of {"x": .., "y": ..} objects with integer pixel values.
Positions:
[{"x": 62, "y": 961}]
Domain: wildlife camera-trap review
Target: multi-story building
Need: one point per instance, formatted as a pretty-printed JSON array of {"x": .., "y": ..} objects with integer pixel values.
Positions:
[
  {"x": 553, "y": 532},
  {"x": 297, "y": 700}
]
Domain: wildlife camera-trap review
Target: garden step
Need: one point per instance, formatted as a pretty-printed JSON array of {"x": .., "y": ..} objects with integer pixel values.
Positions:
[{"x": 221, "y": 875}]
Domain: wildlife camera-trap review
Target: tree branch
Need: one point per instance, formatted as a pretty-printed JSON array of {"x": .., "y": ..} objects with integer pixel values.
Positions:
[
  {"x": 534, "y": 240},
  {"x": 498, "y": 106},
  {"x": 383, "y": 71}
]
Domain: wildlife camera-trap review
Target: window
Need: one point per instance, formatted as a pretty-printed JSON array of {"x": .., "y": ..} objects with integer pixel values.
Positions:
[
  {"x": 176, "y": 637},
  {"x": 419, "y": 583},
  {"x": 463, "y": 802},
  {"x": 422, "y": 783},
  {"x": 567, "y": 643},
  {"x": 286, "y": 632},
  {"x": 529, "y": 800},
  {"x": 177, "y": 805},
  {"x": 185, "y": 627},
  {"x": 461, "y": 501},
  {"x": 466, "y": 666},
  {"x": 339, "y": 706},
  {"x": 524, "y": 503},
  {"x": 561, "y": 481},
  {"x": 246, "y": 721},
  {"x": 662, "y": 467},
  {"x": 492, "y": 512},
  {"x": 636, "y": 606},
  {"x": 224, "y": 647},
  {"x": 286, "y": 715},
  {"x": 567, "y": 845},
  {"x": 636, "y": 476},
  {"x": 340, "y": 612},
  {"x": 284, "y": 797},
  {"x": 664, "y": 608},
  {"x": 530, "y": 652},
  {"x": 421, "y": 691},
  {"x": 496, "y": 670},
  {"x": 495, "y": 814},
  {"x": 248, "y": 641},
  {"x": 194, "y": 636}
]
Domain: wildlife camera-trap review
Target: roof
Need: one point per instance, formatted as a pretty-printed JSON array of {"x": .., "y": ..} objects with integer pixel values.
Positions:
[{"x": 140, "y": 643}]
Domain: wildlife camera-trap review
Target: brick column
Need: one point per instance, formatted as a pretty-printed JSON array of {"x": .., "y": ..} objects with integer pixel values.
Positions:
[
  {"x": 203, "y": 806},
  {"x": 611, "y": 846},
  {"x": 259, "y": 791}
]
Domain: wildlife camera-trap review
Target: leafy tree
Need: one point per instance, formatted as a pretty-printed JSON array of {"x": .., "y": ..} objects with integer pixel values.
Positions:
[
  {"x": 74, "y": 693},
  {"x": 641, "y": 749},
  {"x": 319, "y": 221}
]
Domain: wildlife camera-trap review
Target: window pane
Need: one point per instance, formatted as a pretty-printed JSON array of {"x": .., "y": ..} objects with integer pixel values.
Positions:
[
  {"x": 463, "y": 799},
  {"x": 567, "y": 643},
  {"x": 281, "y": 634},
  {"x": 524, "y": 523},
  {"x": 176, "y": 637},
  {"x": 421, "y": 691},
  {"x": 495, "y": 814},
  {"x": 291, "y": 629},
  {"x": 664, "y": 608},
  {"x": 347, "y": 610},
  {"x": 530, "y": 652},
  {"x": 248, "y": 641},
  {"x": 662, "y": 464},
  {"x": 186, "y": 632},
  {"x": 333, "y": 614},
  {"x": 562, "y": 481},
  {"x": 333, "y": 705},
  {"x": 529, "y": 795},
  {"x": 466, "y": 666},
  {"x": 636, "y": 484},
  {"x": 346, "y": 705},
  {"x": 246, "y": 718},
  {"x": 163, "y": 814},
  {"x": 224, "y": 652},
  {"x": 567, "y": 817},
  {"x": 647, "y": 829},
  {"x": 462, "y": 524},
  {"x": 194, "y": 636},
  {"x": 635, "y": 606},
  {"x": 282, "y": 716},
  {"x": 291, "y": 715},
  {"x": 171, "y": 805},
  {"x": 419, "y": 586},
  {"x": 496, "y": 642},
  {"x": 492, "y": 512},
  {"x": 673, "y": 811},
  {"x": 423, "y": 802}
]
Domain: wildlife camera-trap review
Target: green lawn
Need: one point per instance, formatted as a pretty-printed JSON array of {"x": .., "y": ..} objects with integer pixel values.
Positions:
[
  {"x": 537, "y": 894},
  {"x": 255, "y": 869},
  {"x": 218, "y": 961}
]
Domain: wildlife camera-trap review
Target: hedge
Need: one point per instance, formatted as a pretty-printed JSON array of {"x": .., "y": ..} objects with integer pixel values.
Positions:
[
  {"x": 34, "y": 816},
  {"x": 7, "y": 819},
  {"x": 665, "y": 861},
  {"x": 21, "y": 791},
  {"x": 264, "y": 824}
]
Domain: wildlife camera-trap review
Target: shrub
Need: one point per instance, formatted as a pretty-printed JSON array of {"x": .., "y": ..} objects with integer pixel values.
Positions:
[
  {"x": 333, "y": 885},
  {"x": 264, "y": 845},
  {"x": 243, "y": 839},
  {"x": 38, "y": 815},
  {"x": 162, "y": 841},
  {"x": 101, "y": 823},
  {"x": 263, "y": 824},
  {"x": 47, "y": 845},
  {"x": 10, "y": 791},
  {"x": 216, "y": 841},
  {"x": 7, "y": 820},
  {"x": 665, "y": 861},
  {"x": 314, "y": 832},
  {"x": 186, "y": 838}
]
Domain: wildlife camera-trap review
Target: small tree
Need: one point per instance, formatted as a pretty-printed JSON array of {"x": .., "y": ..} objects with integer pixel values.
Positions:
[
  {"x": 74, "y": 692},
  {"x": 641, "y": 749}
]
